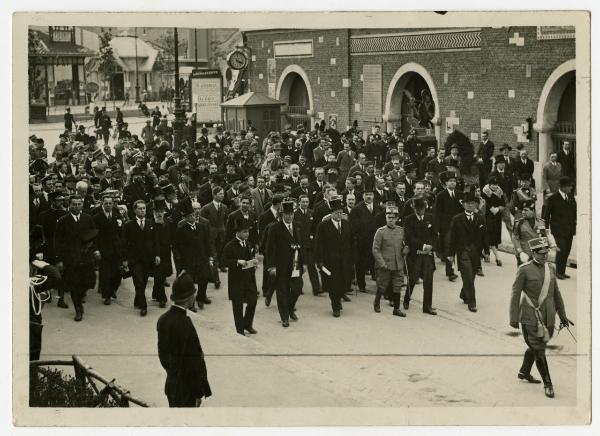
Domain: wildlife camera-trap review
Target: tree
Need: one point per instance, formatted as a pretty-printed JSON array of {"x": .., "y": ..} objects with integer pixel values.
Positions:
[
  {"x": 34, "y": 71},
  {"x": 106, "y": 57}
]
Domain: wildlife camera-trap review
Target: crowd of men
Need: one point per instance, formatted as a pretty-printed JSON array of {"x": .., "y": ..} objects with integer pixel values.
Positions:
[{"x": 340, "y": 206}]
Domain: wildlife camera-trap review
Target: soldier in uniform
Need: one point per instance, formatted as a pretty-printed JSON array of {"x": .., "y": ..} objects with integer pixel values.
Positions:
[
  {"x": 534, "y": 302},
  {"x": 421, "y": 240},
  {"x": 389, "y": 251},
  {"x": 526, "y": 228},
  {"x": 284, "y": 262},
  {"x": 468, "y": 237},
  {"x": 522, "y": 194},
  {"x": 238, "y": 257}
]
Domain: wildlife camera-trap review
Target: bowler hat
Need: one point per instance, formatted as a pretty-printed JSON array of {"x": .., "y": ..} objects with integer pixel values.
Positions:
[
  {"x": 185, "y": 206},
  {"x": 418, "y": 203},
  {"x": 183, "y": 287},
  {"x": 500, "y": 159},
  {"x": 241, "y": 224},
  {"x": 469, "y": 196},
  {"x": 287, "y": 206},
  {"x": 336, "y": 203},
  {"x": 505, "y": 147}
]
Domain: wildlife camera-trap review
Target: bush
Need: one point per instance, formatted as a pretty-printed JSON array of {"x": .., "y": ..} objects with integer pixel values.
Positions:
[{"x": 52, "y": 388}]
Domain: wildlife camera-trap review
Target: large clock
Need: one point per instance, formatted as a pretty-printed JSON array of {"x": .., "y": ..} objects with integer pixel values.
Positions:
[{"x": 237, "y": 60}]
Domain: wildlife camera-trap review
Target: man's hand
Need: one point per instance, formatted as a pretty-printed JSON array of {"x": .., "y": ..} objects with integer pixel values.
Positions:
[
  {"x": 273, "y": 271},
  {"x": 450, "y": 259},
  {"x": 565, "y": 322},
  {"x": 427, "y": 248},
  {"x": 97, "y": 255},
  {"x": 514, "y": 325},
  {"x": 157, "y": 260}
]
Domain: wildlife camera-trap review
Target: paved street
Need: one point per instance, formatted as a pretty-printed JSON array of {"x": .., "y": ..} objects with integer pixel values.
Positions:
[{"x": 362, "y": 359}]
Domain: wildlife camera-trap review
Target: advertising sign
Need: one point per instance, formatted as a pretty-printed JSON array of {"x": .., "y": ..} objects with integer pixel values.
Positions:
[{"x": 206, "y": 95}]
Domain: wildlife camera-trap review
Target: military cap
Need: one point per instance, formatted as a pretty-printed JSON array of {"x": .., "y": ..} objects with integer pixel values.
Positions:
[
  {"x": 288, "y": 158},
  {"x": 394, "y": 152},
  {"x": 109, "y": 192},
  {"x": 409, "y": 166},
  {"x": 454, "y": 146},
  {"x": 369, "y": 162},
  {"x": 287, "y": 206},
  {"x": 32, "y": 138},
  {"x": 538, "y": 245},
  {"x": 391, "y": 210},
  {"x": 183, "y": 287},
  {"x": 55, "y": 195}
]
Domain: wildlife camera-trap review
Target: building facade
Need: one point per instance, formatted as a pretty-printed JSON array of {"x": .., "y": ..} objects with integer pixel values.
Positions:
[{"x": 518, "y": 83}]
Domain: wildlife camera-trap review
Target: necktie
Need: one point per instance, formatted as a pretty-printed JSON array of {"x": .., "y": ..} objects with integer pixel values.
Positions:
[
  {"x": 142, "y": 224},
  {"x": 243, "y": 244},
  {"x": 290, "y": 229},
  {"x": 36, "y": 202},
  {"x": 193, "y": 226},
  {"x": 370, "y": 208},
  {"x": 76, "y": 218},
  {"x": 339, "y": 228},
  {"x": 452, "y": 194},
  {"x": 109, "y": 216}
]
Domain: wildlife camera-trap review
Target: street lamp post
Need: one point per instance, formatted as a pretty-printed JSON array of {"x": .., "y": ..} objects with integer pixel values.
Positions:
[
  {"x": 179, "y": 120},
  {"x": 137, "y": 84}
]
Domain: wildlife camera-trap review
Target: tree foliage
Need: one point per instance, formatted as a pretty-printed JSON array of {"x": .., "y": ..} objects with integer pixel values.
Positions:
[{"x": 106, "y": 57}]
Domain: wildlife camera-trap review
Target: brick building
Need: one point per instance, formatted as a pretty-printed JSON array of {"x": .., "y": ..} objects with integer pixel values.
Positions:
[{"x": 507, "y": 80}]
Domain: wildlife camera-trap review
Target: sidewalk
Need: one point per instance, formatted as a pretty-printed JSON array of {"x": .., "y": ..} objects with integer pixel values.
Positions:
[{"x": 83, "y": 113}]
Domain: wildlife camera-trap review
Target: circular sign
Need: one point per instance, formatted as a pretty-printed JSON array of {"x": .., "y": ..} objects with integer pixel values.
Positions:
[
  {"x": 92, "y": 87},
  {"x": 237, "y": 60}
]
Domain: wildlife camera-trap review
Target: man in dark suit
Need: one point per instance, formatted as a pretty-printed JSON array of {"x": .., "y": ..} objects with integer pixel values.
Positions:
[
  {"x": 468, "y": 237},
  {"x": 216, "y": 213},
  {"x": 447, "y": 205},
  {"x": 484, "y": 157},
  {"x": 323, "y": 207},
  {"x": 238, "y": 257},
  {"x": 76, "y": 252},
  {"x": 566, "y": 158},
  {"x": 420, "y": 236},
  {"x": 265, "y": 221},
  {"x": 109, "y": 226},
  {"x": 37, "y": 204},
  {"x": 335, "y": 264},
  {"x": 141, "y": 252},
  {"x": 303, "y": 189},
  {"x": 317, "y": 187},
  {"x": 364, "y": 226},
  {"x": 195, "y": 250},
  {"x": 437, "y": 165},
  {"x": 524, "y": 165},
  {"x": 304, "y": 217},
  {"x": 561, "y": 216},
  {"x": 179, "y": 349},
  {"x": 284, "y": 262},
  {"x": 244, "y": 212}
]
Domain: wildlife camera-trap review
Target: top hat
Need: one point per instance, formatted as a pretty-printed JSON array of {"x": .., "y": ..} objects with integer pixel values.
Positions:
[
  {"x": 287, "y": 206},
  {"x": 185, "y": 206},
  {"x": 499, "y": 159},
  {"x": 336, "y": 203},
  {"x": 183, "y": 287},
  {"x": 469, "y": 196},
  {"x": 418, "y": 203}
]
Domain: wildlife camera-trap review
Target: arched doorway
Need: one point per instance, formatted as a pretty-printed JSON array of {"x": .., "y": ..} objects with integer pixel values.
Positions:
[
  {"x": 412, "y": 102},
  {"x": 556, "y": 120},
  {"x": 294, "y": 89}
]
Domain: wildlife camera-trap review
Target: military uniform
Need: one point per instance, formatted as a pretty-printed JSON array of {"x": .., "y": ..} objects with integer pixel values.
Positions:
[
  {"x": 534, "y": 303},
  {"x": 524, "y": 230}
]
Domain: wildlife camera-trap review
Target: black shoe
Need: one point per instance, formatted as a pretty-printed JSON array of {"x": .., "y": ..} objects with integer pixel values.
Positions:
[
  {"x": 480, "y": 273},
  {"x": 251, "y": 330},
  {"x": 107, "y": 301},
  {"x": 285, "y": 323},
  {"x": 293, "y": 317},
  {"x": 206, "y": 300},
  {"x": 398, "y": 312},
  {"x": 217, "y": 284},
  {"x": 61, "y": 303},
  {"x": 472, "y": 309},
  {"x": 78, "y": 316},
  {"x": 549, "y": 391},
  {"x": 317, "y": 293},
  {"x": 200, "y": 305},
  {"x": 268, "y": 300},
  {"x": 363, "y": 290},
  {"x": 166, "y": 284},
  {"x": 405, "y": 304},
  {"x": 143, "y": 312},
  {"x": 376, "y": 307},
  {"x": 561, "y": 276},
  {"x": 114, "y": 295},
  {"x": 193, "y": 309},
  {"x": 241, "y": 333},
  {"x": 430, "y": 311},
  {"x": 452, "y": 277},
  {"x": 336, "y": 313},
  {"x": 223, "y": 269},
  {"x": 567, "y": 276},
  {"x": 528, "y": 377},
  {"x": 162, "y": 304},
  {"x": 346, "y": 298}
]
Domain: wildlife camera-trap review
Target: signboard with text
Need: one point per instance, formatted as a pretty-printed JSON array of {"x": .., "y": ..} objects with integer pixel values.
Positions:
[{"x": 206, "y": 95}]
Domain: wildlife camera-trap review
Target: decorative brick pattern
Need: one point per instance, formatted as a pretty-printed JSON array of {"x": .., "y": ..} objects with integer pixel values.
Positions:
[{"x": 416, "y": 42}]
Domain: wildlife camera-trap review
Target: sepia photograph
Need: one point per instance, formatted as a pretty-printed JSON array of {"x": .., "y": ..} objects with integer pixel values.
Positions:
[{"x": 290, "y": 219}]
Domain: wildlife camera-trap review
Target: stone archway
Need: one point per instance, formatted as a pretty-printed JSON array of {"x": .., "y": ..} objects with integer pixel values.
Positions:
[
  {"x": 395, "y": 95},
  {"x": 548, "y": 105},
  {"x": 291, "y": 91}
]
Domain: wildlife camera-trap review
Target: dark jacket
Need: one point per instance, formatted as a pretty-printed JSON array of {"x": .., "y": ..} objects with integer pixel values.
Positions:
[
  {"x": 140, "y": 245},
  {"x": 68, "y": 245},
  {"x": 464, "y": 234},
  {"x": 241, "y": 282},
  {"x": 109, "y": 235},
  {"x": 445, "y": 208},
  {"x": 417, "y": 233},
  {"x": 48, "y": 220},
  {"x": 181, "y": 355},
  {"x": 561, "y": 215},
  {"x": 194, "y": 250},
  {"x": 230, "y": 226},
  {"x": 567, "y": 162},
  {"x": 307, "y": 227},
  {"x": 364, "y": 226},
  {"x": 334, "y": 251},
  {"x": 279, "y": 251}
]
